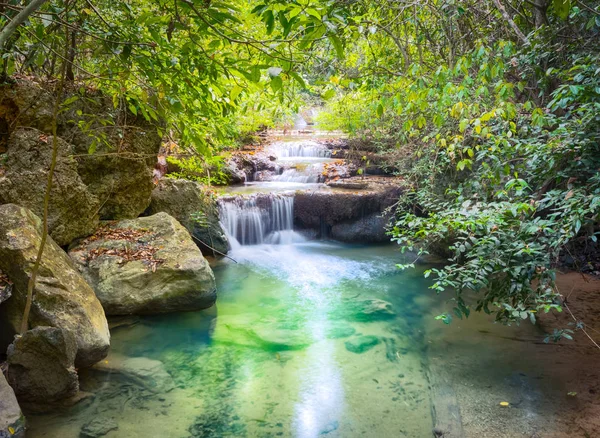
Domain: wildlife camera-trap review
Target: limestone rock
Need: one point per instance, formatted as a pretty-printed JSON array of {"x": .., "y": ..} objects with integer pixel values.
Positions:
[
  {"x": 145, "y": 266},
  {"x": 181, "y": 199},
  {"x": 62, "y": 298},
  {"x": 73, "y": 210},
  {"x": 41, "y": 366},
  {"x": 12, "y": 422},
  {"x": 361, "y": 344}
]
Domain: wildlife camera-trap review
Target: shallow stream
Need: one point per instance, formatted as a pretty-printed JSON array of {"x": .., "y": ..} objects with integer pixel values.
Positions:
[{"x": 311, "y": 339}]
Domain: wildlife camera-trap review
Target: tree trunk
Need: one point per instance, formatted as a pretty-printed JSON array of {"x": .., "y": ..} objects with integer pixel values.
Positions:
[{"x": 540, "y": 12}]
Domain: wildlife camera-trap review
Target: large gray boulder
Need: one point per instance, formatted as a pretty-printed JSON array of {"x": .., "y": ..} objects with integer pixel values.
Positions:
[
  {"x": 73, "y": 210},
  {"x": 145, "y": 266},
  {"x": 62, "y": 298},
  {"x": 370, "y": 229},
  {"x": 41, "y": 367},
  {"x": 182, "y": 199},
  {"x": 12, "y": 422},
  {"x": 112, "y": 150}
]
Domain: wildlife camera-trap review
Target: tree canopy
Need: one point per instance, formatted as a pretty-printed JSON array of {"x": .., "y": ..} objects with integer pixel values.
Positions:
[{"x": 489, "y": 109}]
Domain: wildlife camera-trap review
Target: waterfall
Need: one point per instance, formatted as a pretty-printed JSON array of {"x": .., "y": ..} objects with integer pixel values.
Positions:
[
  {"x": 259, "y": 219},
  {"x": 300, "y": 149},
  {"x": 293, "y": 175}
]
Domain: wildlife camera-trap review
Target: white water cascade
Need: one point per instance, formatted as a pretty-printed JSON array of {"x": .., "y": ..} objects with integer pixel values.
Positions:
[
  {"x": 300, "y": 149},
  {"x": 259, "y": 219}
]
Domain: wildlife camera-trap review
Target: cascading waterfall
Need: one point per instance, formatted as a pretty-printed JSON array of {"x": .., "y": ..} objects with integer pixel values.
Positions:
[
  {"x": 300, "y": 149},
  {"x": 293, "y": 175},
  {"x": 259, "y": 219}
]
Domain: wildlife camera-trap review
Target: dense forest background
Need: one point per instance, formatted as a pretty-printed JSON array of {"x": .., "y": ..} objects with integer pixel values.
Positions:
[{"x": 489, "y": 109}]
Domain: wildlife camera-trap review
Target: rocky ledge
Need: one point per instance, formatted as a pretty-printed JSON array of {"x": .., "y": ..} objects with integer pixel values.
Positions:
[{"x": 354, "y": 211}]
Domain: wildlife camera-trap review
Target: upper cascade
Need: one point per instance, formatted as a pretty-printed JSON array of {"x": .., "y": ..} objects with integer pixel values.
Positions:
[
  {"x": 259, "y": 219},
  {"x": 304, "y": 148}
]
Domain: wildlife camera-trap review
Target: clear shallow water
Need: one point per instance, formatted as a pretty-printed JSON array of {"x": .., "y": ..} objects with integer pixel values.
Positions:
[
  {"x": 310, "y": 340},
  {"x": 272, "y": 359}
]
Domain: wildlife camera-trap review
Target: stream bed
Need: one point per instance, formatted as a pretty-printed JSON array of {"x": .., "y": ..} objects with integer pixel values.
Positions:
[
  {"x": 306, "y": 340},
  {"x": 314, "y": 339}
]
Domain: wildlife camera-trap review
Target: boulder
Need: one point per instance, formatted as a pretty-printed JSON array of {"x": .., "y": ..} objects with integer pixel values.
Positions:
[
  {"x": 145, "y": 266},
  {"x": 12, "y": 422},
  {"x": 62, "y": 298},
  {"x": 114, "y": 150},
  {"x": 182, "y": 199},
  {"x": 41, "y": 367},
  {"x": 73, "y": 210}
]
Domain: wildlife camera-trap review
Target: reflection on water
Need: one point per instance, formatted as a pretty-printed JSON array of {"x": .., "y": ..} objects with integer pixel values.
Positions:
[{"x": 309, "y": 340}]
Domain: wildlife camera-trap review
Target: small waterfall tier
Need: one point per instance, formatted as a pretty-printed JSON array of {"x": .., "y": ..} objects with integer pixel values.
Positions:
[
  {"x": 259, "y": 219},
  {"x": 309, "y": 176},
  {"x": 300, "y": 149}
]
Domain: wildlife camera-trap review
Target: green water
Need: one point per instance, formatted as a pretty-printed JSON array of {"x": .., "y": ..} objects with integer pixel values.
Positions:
[{"x": 311, "y": 340}]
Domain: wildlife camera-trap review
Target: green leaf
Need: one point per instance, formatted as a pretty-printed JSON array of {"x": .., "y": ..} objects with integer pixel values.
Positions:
[
  {"x": 380, "y": 110},
  {"x": 562, "y": 8},
  {"x": 337, "y": 44},
  {"x": 298, "y": 79}
]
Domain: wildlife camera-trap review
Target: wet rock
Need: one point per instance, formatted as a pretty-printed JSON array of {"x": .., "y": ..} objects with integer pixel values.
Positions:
[
  {"x": 147, "y": 373},
  {"x": 330, "y": 427},
  {"x": 182, "y": 199},
  {"x": 73, "y": 209},
  {"x": 147, "y": 265},
  {"x": 340, "y": 330},
  {"x": 12, "y": 422},
  {"x": 361, "y": 344},
  {"x": 41, "y": 367},
  {"x": 351, "y": 213},
  {"x": 370, "y": 228},
  {"x": 98, "y": 427},
  {"x": 62, "y": 298}
]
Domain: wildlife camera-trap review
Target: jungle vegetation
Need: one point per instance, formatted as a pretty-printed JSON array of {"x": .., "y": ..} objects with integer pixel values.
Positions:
[{"x": 489, "y": 109}]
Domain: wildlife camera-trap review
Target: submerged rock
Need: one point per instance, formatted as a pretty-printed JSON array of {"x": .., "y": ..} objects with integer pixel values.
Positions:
[
  {"x": 73, "y": 210},
  {"x": 62, "y": 298},
  {"x": 41, "y": 367},
  {"x": 147, "y": 265},
  {"x": 250, "y": 330},
  {"x": 147, "y": 373},
  {"x": 12, "y": 422},
  {"x": 182, "y": 199},
  {"x": 98, "y": 427},
  {"x": 361, "y": 344},
  {"x": 371, "y": 310}
]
